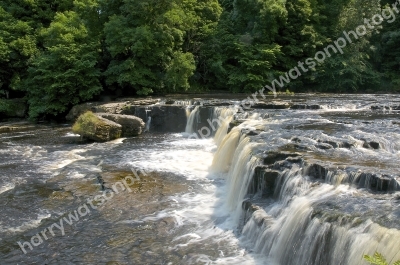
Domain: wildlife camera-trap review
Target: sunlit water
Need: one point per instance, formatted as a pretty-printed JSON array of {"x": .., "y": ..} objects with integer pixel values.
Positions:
[{"x": 188, "y": 209}]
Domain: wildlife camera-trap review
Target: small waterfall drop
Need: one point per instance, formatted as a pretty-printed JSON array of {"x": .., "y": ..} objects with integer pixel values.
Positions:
[
  {"x": 224, "y": 155},
  {"x": 148, "y": 123},
  {"x": 240, "y": 175},
  {"x": 224, "y": 117},
  {"x": 191, "y": 117}
]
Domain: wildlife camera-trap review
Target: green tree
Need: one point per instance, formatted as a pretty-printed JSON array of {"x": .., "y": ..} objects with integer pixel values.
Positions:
[
  {"x": 351, "y": 70},
  {"x": 65, "y": 73},
  {"x": 153, "y": 43},
  {"x": 17, "y": 46}
]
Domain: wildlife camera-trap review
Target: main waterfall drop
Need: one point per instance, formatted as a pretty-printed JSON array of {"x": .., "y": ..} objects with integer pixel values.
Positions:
[{"x": 301, "y": 220}]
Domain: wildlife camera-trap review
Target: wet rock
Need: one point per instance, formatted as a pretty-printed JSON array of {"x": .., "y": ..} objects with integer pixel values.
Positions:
[
  {"x": 271, "y": 157},
  {"x": 317, "y": 171},
  {"x": 170, "y": 102},
  {"x": 113, "y": 107},
  {"x": 233, "y": 124},
  {"x": 271, "y": 105},
  {"x": 371, "y": 144},
  {"x": 131, "y": 125},
  {"x": 377, "y": 182},
  {"x": 263, "y": 181},
  {"x": 96, "y": 128},
  {"x": 380, "y": 107},
  {"x": 164, "y": 118},
  {"x": 296, "y": 140},
  {"x": 304, "y": 106},
  {"x": 374, "y": 145},
  {"x": 249, "y": 132},
  {"x": 324, "y": 146},
  {"x": 250, "y": 207}
]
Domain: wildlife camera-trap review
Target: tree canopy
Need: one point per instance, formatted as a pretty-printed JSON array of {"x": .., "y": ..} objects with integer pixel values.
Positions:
[{"x": 61, "y": 52}]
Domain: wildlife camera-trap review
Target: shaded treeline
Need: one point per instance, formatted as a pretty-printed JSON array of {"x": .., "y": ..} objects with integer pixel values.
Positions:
[{"x": 58, "y": 53}]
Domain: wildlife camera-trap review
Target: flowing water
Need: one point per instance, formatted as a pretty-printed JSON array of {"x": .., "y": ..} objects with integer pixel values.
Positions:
[{"x": 187, "y": 206}]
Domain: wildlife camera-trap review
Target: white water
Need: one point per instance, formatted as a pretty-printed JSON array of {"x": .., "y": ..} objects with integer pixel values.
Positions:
[
  {"x": 283, "y": 231},
  {"x": 148, "y": 123},
  {"x": 192, "y": 117},
  {"x": 205, "y": 209},
  {"x": 287, "y": 232},
  {"x": 223, "y": 116}
]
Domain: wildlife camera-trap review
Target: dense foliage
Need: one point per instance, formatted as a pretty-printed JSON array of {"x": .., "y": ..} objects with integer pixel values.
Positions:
[{"x": 61, "y": 52}]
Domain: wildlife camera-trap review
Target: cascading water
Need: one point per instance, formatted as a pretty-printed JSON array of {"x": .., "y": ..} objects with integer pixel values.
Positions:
[
  {"x": 299, "y": 229},
  {"x": 308, "y": 221},
  {"x": 225, "y": 117},
  {"x": 192, "y": 117},
  {"x": 285, "y": 187},
  {"x": 148, "y": 124}
]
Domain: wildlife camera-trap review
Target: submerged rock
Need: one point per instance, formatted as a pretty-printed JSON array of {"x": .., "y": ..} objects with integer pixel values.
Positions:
[
  {"x": 304, "y": 106},
  {"x": 96, "y": 128}
]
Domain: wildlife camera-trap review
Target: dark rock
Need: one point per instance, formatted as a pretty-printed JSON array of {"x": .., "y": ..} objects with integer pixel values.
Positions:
[
  {"x": 249, "y": 206},
  {"x": 371, "y": 144},
  {"x": 271, "y": 157},
  {"x": 263, "y": 181},
  {"x": 164, "y": 118},
  {"x": 233, "y": 124},
  {"x": 271, "y": 105},
  {"x": 317, "y": 171},
  {"x": 304, "y": 106},
  {"x": 249, "y": 132},
  {"x": 296, "y": 140},
  {"x": 324, "y": 146},
  {"x": 170, "y": 102},
  {"x": 374, "y": 145},
  {"x": 377, "y": 182}
]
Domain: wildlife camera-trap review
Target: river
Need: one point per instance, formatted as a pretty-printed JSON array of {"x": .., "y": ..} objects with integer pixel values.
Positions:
[{"x": 318, "y": 185}]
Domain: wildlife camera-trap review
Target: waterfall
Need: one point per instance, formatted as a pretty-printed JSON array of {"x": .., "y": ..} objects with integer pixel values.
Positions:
[
  {"x": 302, "y": 223},
  {"x": 147, "y": 128},
  {"x": 299, "y": 229},
  {"x": 224, "y": 154},
  {"x": 224, "y": 117},
  {"x": 191, "y": 116}
]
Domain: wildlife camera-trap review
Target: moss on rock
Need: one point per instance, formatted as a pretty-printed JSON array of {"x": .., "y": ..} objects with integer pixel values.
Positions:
[{"x": 96, "y": 128}]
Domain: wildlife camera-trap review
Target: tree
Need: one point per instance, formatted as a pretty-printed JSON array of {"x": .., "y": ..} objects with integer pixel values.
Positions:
[
  {"x": 352, "y": 70},
  {"x": 65, "y": 73},
  {"x": 17, "y": 46}
]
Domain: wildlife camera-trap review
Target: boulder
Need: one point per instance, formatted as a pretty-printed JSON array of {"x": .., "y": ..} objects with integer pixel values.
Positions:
[
  {"x": 131, "y": 125},
  {"x": 96, "y": 128}
]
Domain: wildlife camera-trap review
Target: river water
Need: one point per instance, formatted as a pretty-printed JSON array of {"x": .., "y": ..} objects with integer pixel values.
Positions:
[{"x": 186, "y": 206}]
